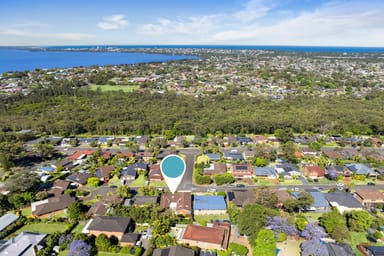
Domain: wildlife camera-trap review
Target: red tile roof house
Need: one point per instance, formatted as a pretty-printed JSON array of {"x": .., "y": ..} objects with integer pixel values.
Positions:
[
  {"x": 313, "y": 171},
  {"x": 109, "y": 225},
  {"x": 211, "y": 238},
  {"x": 180, "y": 202},
  {"x": 155, "y": 173},
  {"x": 369, "y": 198},
  {"x": 51, "y": 206},
  {"x": 242, "y": 171},
  {"x": 81, "y": 154}
]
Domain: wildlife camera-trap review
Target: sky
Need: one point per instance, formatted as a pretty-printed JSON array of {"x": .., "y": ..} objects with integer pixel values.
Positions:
[{"x": 190, "y": 22}]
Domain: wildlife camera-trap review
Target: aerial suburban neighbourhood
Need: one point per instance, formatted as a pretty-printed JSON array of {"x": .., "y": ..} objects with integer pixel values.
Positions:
[{"x": 292, "y": 191}]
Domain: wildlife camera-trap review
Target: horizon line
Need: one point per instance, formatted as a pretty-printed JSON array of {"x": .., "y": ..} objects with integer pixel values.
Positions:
[{"x": 189, "y": 45}]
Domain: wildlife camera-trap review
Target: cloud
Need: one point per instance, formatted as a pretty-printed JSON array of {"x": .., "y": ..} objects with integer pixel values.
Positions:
[
  {"x": 74, "y": 36},
  {"x": 113, "y": 22},
  {"x": 253, "y": 10},
  {"x": 334, "y": 23},
  {"x": 190, "y": 25},
  {"x": 29, "y": 34}
]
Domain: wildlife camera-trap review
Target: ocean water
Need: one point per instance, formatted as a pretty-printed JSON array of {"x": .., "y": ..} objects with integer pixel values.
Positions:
[
  {"x": 16, "y": 59},
  {"x": 20, "y": 60}
]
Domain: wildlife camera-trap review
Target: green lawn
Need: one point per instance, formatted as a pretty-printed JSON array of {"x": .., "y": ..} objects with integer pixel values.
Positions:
[
  {"x": 291, "y": 182},
  {"x": 48, "y": 228},
  {"x": 312, "y": 216},
  {"x": 325, "y": 181},
  {"x": 264, "y": 182},
  {"x": 358, "y": 238},
  {"x": 26, "y": 211},
  {"x": 107, "y": 87},
  {"x": 139, "y": 182},
  {"x": 65, "y": 253},
  {"x": 79, "y": 227},
  {"x": 208, "y": 218},
  {"x": 158, "y": 183}
]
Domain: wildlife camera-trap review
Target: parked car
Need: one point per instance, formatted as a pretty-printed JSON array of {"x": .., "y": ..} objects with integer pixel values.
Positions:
[
  {"x": 240, "y": 185},
  {"x": 144, "y": 235},
  {"x": 371, "y": 183}
]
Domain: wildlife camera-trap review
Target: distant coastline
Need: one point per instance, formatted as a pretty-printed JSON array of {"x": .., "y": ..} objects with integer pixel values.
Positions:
[
  {"x": 286, "y": 48},
  {"x": 20, "y": 58}
]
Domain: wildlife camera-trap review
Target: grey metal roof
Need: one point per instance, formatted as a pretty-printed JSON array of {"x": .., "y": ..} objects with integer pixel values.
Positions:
[
  {"x": 343, "y": 199},
  {"x": 110, "y": 223},
  {"x": 7, "y": 219},
  {"x": 265, "y": 171}
]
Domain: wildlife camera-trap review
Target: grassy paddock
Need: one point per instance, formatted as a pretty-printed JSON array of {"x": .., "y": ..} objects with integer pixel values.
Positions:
[{"x": 107, "y": 87}]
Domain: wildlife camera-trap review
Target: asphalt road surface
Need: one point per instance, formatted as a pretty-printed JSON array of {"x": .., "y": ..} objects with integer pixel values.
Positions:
[{"x": 186, "y": 183}]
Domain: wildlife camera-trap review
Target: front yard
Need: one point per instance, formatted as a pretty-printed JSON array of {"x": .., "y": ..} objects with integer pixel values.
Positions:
[
  {"x": 203, "y": 219},
  {"x": 291, "y": 182},
  {"x": 358, "y": 238},
  {"x": 289, "y": 248},
  {"x": 158, "y": 184},
  {"x": 139, "y": 182},
  {"x": 48, "y": 228}
]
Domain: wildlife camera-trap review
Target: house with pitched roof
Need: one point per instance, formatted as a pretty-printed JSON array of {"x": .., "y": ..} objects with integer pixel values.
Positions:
[
  {"x": 340, "y": 249},
  {"x": 104, "y": 173},
  {"x": 174, "y": 250},
  {"x": 287, "y": 170},
  {"x": 343, "y": 201},
  {"x": 24, "y": 244},
  {"x": 269, "y": 173},
  {"x": 58, "y": 187},
  {"x": 99, "y": 208},
  {"x": 215, "y": 237},
  {"x": 213, "y": 157},
  {"x": 242, "y": 171},
  {"x": 209, "y": 205},
  {"x": 7, "y": 219},
  {"x": 361, "y": 169},
  {"x": 179, "y": 203},
  {"x": 79, "y": 178},
  {"x": 241, "y": 197},
  {"x": 233, "y": 155},
  {"x": 369, "y": 198},
  {"x": 51, "y": 206},
  {"x": 313, "y": 171},
  {"x": 109, "y": 225},
  {"x": 215, "y": 168},
  {"x": 320, "y": 204},
  {"x": 129, "y": 239},
  {"x": 155, "y": 173}
]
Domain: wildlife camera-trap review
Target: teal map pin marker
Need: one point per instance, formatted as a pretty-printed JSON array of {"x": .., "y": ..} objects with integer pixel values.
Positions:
[{"x": 173, "y": 169}]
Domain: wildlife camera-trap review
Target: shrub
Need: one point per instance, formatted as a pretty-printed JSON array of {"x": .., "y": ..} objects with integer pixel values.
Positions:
[{"x": 281, "y": 237}]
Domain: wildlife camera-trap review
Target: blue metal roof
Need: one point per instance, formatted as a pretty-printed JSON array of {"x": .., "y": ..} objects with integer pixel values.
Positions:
[
  {"x": 318, "y": 198},
  {"x": 360, "y": 169},
  {"x": 213, "y": 156},
  {"x": 209, "y": 203}
]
